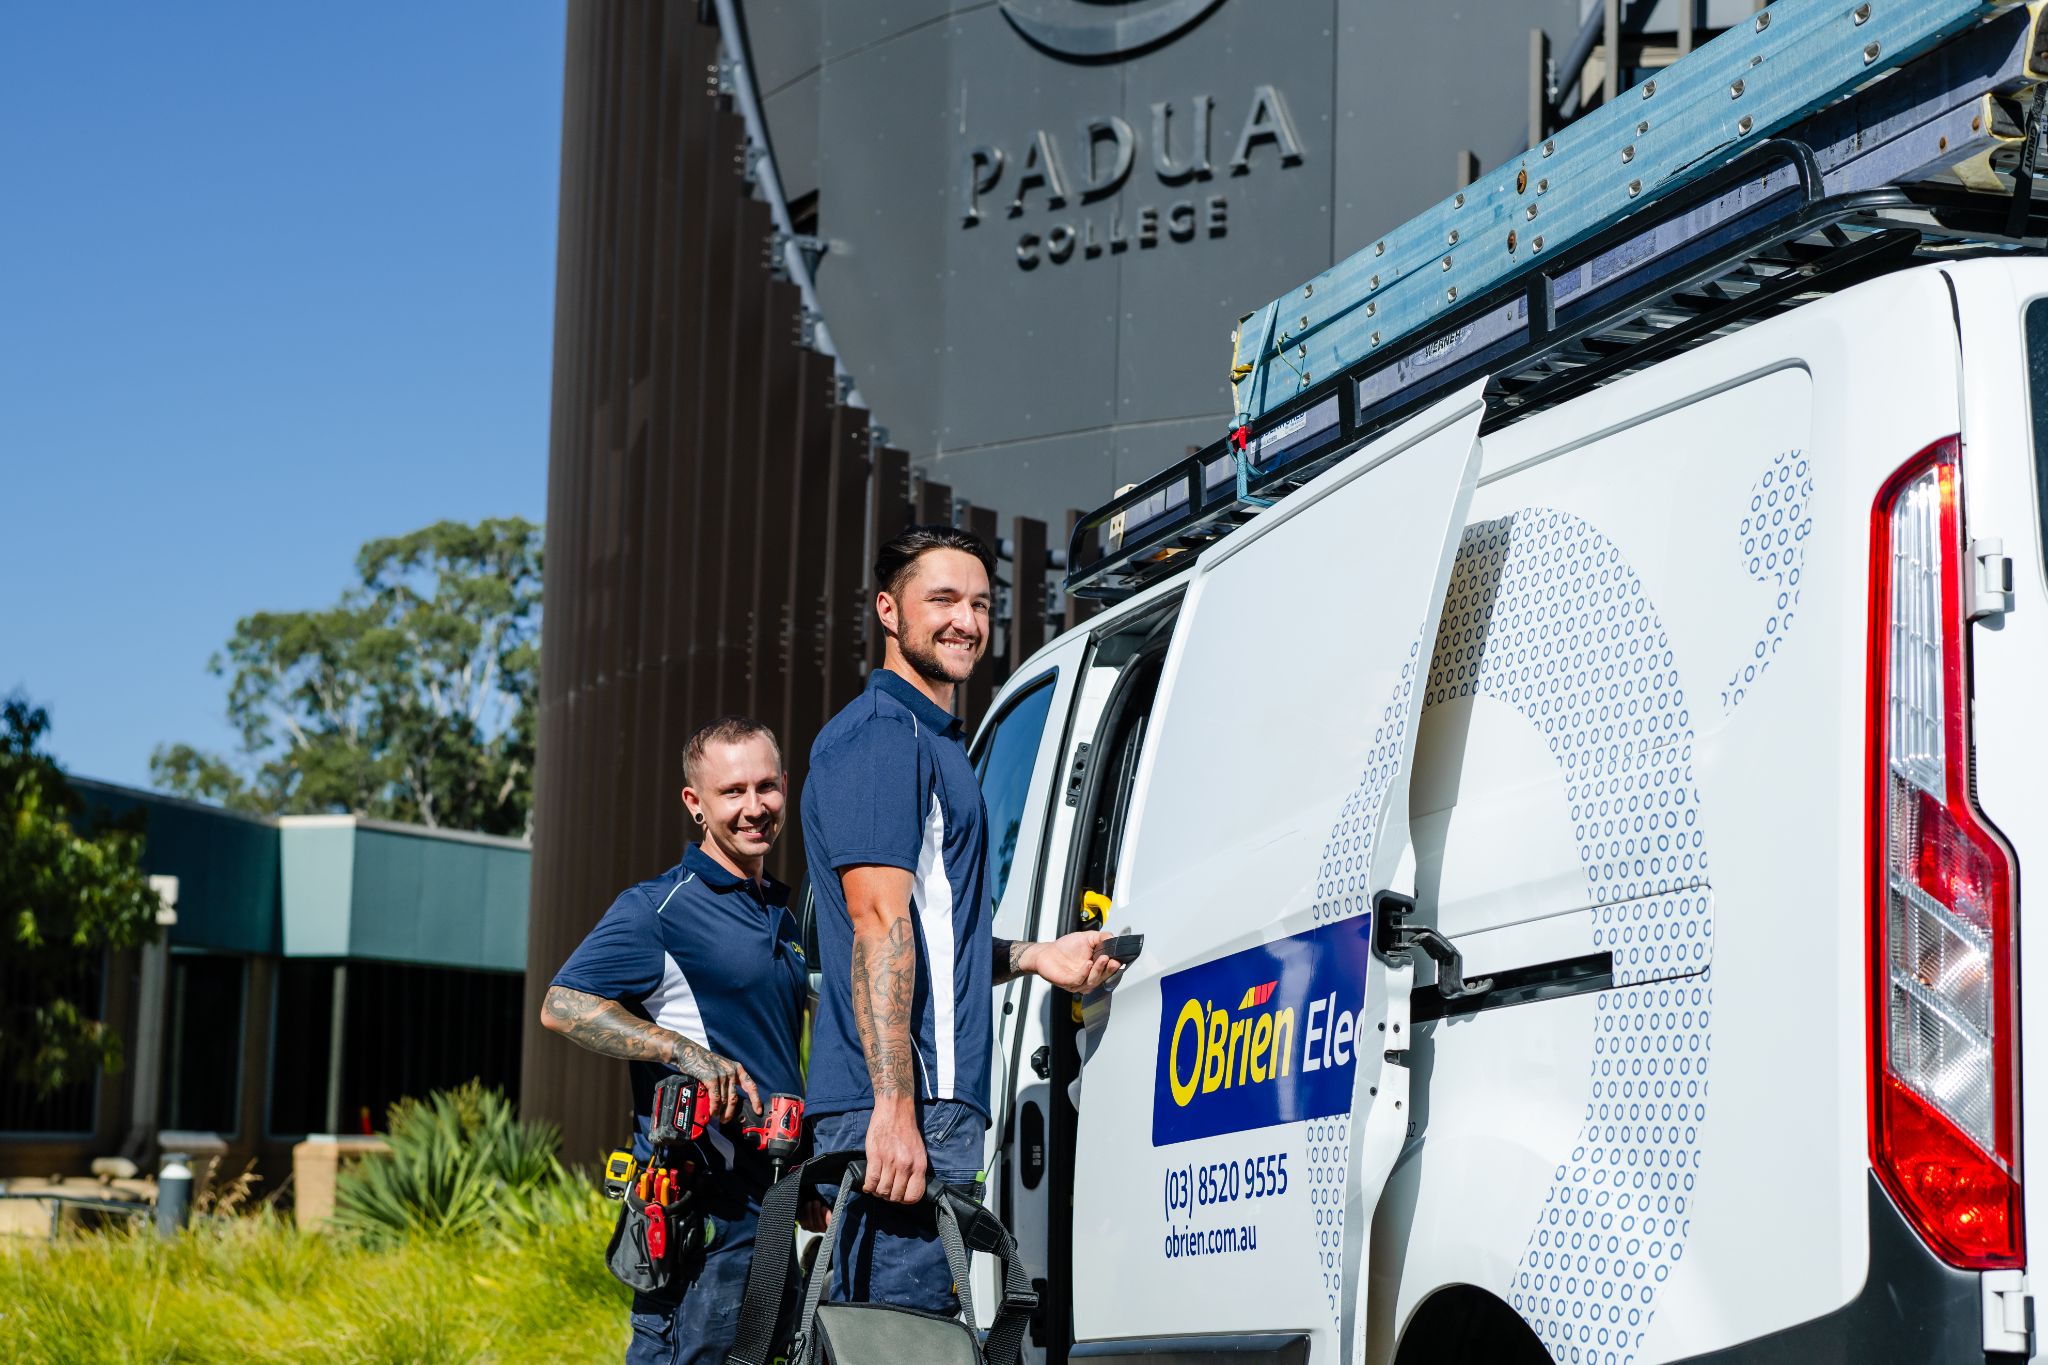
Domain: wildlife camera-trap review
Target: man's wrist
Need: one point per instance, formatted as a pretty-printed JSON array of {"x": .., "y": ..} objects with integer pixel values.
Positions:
[{"x": 1023, "y": 957}]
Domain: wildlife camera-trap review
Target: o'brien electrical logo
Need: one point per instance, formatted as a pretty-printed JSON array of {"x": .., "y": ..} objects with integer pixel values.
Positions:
[
  {"x": 1265, "y": 1036},
  {"x": 1092, "y": 29}
]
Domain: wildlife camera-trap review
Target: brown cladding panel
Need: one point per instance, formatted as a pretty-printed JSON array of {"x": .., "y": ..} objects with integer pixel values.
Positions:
[
  {"x": 741, "y": 450},
  {"x": 770, "y": 558},
  {"x": 935, "y": 503},
  {"x": 845, "y": 580},
  {"x": 1027, "y": 589},
  {"x": 981, "y": 684},
  {"x": 718, "y": 222},
  {"x": 889, "y": 511}
]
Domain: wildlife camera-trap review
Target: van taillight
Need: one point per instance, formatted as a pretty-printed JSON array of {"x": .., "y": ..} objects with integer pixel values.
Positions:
[{"x": 1944, "y": 1111}]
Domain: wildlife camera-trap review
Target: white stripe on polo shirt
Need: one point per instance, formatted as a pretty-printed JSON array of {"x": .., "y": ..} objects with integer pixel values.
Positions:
[
  {"x": 932, "y": 894},
  {"x": 673, "y": 1005}
]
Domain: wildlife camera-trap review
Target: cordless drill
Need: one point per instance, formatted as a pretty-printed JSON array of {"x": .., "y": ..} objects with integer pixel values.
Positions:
[{"x": 778, "y": 1129}]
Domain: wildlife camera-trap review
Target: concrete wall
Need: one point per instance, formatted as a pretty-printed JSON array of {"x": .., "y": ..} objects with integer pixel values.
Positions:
[{"x": 1034, "y": 383}]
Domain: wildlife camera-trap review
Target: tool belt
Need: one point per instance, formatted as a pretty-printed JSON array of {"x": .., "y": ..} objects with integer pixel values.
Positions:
[
  {"x": 657, "y": 1245},
  {"x": 874, "y": 1333},
  {"x": 664, "y": 1227}
]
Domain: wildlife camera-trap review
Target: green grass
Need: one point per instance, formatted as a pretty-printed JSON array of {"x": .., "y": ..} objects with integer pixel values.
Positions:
[{"x": 255, "y": 1289}]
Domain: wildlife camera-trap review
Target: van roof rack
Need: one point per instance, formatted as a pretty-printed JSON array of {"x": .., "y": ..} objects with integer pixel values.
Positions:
[{"x": 1932, "y": 162}]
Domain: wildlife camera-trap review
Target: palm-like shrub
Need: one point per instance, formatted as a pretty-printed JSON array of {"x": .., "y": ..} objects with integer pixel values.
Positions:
[{"x": 461, "y": 1161}]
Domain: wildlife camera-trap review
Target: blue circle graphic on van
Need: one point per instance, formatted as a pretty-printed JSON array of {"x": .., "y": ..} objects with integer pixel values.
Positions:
[{"x": 1545, "y": 614}]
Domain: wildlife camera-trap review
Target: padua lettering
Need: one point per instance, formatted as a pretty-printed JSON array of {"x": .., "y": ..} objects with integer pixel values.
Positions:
[{"x": 1042, "y": 180}]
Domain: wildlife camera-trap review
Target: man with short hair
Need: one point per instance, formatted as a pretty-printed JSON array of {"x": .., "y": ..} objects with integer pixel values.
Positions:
[
  {"x": 701, "y": 971},
  {"x": 895, "y": 836}
]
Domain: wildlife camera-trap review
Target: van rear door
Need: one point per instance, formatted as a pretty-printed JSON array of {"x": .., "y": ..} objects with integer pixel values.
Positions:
[{"x": 1246, "y": 1100}]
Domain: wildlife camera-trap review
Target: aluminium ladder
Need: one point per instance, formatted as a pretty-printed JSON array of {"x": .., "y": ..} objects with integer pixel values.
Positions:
[{"x": 1868, "y": 137}]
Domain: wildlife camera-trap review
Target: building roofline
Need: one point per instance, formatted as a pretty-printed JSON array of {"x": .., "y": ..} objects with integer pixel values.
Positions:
[{"x": 460, "y": 836}]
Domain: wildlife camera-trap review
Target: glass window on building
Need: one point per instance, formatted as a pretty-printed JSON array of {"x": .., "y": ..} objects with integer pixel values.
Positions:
[
  {"x": 69, "y": 1110},
  {"x": 406, "y": 1032},
  {"x": 202, "y": 1084},
  {"x": 301, "y": 1041}
]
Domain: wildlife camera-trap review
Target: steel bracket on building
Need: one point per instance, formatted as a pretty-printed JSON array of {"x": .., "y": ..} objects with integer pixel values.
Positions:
[
  {"x": 735, "y": 78},
  {"x": 811, "y": 248}
]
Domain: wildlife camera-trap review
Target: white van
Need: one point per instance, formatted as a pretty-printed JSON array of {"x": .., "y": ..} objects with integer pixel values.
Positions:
[{"x": 1700, "y": 715}]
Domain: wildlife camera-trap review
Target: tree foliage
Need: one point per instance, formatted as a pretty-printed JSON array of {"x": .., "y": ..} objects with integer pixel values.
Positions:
[
  {"x": 69, "y": 893},
  {"x": 412, "y": 698}
]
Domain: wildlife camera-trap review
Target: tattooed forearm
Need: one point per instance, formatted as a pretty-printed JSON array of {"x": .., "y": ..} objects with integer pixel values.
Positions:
[
  {"x": 884, "y": 979},
  {"x": 607, "y": 1028},
  {"x": 1008, "y": 959}
]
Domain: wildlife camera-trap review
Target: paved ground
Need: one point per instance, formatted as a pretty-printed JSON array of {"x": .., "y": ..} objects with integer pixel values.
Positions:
[{"x": 32, "y": 1217}]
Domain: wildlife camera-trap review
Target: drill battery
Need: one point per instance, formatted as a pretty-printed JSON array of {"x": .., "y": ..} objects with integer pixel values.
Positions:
[{"x": 682, "y": 1110}]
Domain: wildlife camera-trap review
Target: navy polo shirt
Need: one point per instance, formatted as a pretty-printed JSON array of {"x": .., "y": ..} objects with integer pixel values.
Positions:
[
  {"x": 890, "y": 785},
  {"x": 714, "y": 957}
]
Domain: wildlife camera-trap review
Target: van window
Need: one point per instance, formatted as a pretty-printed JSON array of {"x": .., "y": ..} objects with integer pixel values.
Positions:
[
  {"x": 1008, "y": 753},
  {"x": 2037, "y": 387}
]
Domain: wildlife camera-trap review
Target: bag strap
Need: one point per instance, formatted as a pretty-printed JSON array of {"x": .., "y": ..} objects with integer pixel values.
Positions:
[
  {"x": 774, "y": 1249},
  {"x": 964, "y": 1226},
  {"x": 985, "y": 1232},
  {"x": 821, "y": 1265}
]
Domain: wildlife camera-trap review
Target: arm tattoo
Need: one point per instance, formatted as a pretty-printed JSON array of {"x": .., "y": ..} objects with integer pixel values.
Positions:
[
  {"x": 1008, "y": 959},
  {"x": 607, "y": 1028},
  {"x": 884, "y": 978}
]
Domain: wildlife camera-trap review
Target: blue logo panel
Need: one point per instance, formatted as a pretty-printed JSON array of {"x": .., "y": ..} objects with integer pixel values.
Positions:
[{"x": 1269, "y": 1035}]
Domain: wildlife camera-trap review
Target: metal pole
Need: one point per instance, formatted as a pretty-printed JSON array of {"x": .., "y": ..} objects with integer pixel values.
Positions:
[
  {"x": 1688, "y": 14},
  {"x": 337, "y": 1016},
  {"x": 1610, "y": 35},
  {"x": 144, "y": 1097},
  {"x": 1539, "y": 86},
  {"x": 1468, "y": 167},
  {"x": 733, "y": 45}
]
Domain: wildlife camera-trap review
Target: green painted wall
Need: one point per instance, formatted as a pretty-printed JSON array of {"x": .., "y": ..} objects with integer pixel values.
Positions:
[
  {"x": 230, "y": 892},
  {"x": 457, "y": 902}
]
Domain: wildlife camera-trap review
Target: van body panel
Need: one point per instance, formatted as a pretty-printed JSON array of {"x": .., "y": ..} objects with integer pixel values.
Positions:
[
  {"x": 2009, "y": 679},
  {"x": 1254, "y": 851},
  {"x": 1664, "y": 476},
  {"x": 1714, "y": 512}
]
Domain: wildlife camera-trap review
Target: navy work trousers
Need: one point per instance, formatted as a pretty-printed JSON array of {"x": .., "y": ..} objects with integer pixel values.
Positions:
[{"x": 888, "y": 1253}]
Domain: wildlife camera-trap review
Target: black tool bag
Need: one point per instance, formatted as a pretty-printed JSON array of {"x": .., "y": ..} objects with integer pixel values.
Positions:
[
  {"x": 636, "y": 1266},
  {"x": 874, "y": 1333}
]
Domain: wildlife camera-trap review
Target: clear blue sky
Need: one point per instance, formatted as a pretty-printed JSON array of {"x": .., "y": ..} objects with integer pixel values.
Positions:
[{"x": 275, "y": 279}]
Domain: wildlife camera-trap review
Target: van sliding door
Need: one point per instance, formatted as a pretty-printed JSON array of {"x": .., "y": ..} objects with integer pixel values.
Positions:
[{"x": 1246, "y": 1100}]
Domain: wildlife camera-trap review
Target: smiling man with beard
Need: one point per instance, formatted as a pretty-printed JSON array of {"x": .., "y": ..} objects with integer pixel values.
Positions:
[
  {"x": 701, "y": 970},
  {"x": 895, "y": 836}
]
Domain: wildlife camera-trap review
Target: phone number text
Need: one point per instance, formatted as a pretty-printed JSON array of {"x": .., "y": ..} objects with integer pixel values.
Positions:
[{"x": 1225, "y": 1182}]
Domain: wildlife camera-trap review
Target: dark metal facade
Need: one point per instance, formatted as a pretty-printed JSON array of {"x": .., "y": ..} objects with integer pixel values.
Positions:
[{"x": 712, "y": 505}]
